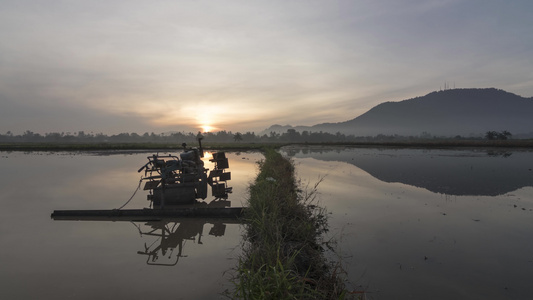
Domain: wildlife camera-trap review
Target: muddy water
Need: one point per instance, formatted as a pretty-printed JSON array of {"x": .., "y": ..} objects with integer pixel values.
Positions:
[
  {"x": 428, "y": 224},
  {"x": 46, "y": 259}
]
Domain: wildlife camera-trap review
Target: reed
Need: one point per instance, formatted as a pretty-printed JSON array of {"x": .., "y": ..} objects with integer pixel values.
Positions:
[{"x": 282, "y": 254}]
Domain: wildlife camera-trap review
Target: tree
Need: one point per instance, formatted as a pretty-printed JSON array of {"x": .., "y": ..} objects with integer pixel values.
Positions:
[
  {"x": 249, "y": 136},
  {"x": 293, "y": 135},
  {"x": 305, "y": 135},
  {"x": 491, "y": 135},
  {"x": 273, "y": 136},
  {"x": 237, "y": 137},
  {"x": 495, "y": 135},
  {"x": 505, "y": 134}
]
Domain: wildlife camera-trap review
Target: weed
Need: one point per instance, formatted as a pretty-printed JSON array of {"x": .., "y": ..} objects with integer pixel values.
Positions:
[{"x": 282, "y": 257}]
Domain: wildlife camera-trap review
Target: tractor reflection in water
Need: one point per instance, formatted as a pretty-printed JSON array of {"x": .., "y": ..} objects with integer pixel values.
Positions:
[
  {"x": 174, "y": 234},
  {"x": 174, "y": 180}
]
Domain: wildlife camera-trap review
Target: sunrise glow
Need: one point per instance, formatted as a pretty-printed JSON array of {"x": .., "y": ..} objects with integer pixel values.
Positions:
[
  {"x": 207, "y": 128},
  {"x": 220, "y": 76}
]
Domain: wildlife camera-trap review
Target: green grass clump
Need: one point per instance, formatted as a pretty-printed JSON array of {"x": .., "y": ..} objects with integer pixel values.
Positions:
[{"x": 282, "y": 257}]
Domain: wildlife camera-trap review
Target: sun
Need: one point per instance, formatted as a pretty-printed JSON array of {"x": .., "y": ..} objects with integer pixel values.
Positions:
[{"x": 207, "y": 128}]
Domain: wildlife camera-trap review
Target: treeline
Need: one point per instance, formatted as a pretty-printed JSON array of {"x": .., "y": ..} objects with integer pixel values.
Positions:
[
  {"x": 291, "y": 135},
  {"x": 495, "y": 135},
  {"x": 88, "y": 138}
]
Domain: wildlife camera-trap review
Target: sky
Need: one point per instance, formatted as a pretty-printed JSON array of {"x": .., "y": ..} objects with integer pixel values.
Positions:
[{"x": 190, "y": 65}]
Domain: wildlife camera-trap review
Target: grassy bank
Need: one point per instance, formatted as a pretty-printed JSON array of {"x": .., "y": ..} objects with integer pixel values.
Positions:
[
  {"x": 282, "y": 256},
  {"x": 243, "y": 146}
]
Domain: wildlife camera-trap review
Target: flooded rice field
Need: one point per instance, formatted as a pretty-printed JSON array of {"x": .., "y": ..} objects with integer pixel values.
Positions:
[
  {"x": 428, "y": 224},
  {"x": 408, "y": 224},
  {"x": 46, "y": 259}
]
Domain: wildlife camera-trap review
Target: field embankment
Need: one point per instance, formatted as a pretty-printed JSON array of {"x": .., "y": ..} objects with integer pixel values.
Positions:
[
  {"x": 243, "y": 146},
  {"x": 282, "y": 254}
]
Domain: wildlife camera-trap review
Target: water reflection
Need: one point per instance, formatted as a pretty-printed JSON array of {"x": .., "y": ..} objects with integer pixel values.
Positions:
[
  {"x": 99, "y": 260},
  {"x": 173, "y": 234},
  {"x": 400, "y": 241},
  {"x": 450, "y": 172}
]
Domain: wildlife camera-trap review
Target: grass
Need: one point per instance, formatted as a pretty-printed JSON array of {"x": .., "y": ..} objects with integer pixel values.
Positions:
[{"x": 282, "y": 256}]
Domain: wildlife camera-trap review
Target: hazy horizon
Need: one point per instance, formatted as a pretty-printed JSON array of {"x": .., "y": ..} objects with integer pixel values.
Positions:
[{"x": 134, "y": 66}]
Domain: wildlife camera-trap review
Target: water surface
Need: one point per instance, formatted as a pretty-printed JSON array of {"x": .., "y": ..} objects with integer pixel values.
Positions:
[
  {"x": 46, "y": 259},
  {"x": 428, "y": 224},
  {"x": 410, "y": 224}
]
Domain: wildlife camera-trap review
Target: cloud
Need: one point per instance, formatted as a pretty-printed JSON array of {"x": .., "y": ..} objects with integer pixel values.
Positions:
[{"x": 118, "y": 65}]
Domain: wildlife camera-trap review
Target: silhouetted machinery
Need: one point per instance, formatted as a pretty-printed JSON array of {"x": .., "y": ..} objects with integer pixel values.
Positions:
[{"x": 174, "y": 180}]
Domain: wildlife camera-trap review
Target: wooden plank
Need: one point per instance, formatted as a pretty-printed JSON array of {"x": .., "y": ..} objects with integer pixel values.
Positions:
[{"x": 147, "y": 214}]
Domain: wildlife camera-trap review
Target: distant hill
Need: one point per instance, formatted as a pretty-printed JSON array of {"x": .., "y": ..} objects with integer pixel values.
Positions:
[{"x": 443, "y": 113}]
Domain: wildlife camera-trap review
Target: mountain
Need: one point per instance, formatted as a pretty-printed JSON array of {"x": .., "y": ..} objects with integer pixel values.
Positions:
[{"x": 442, "y": 113}]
